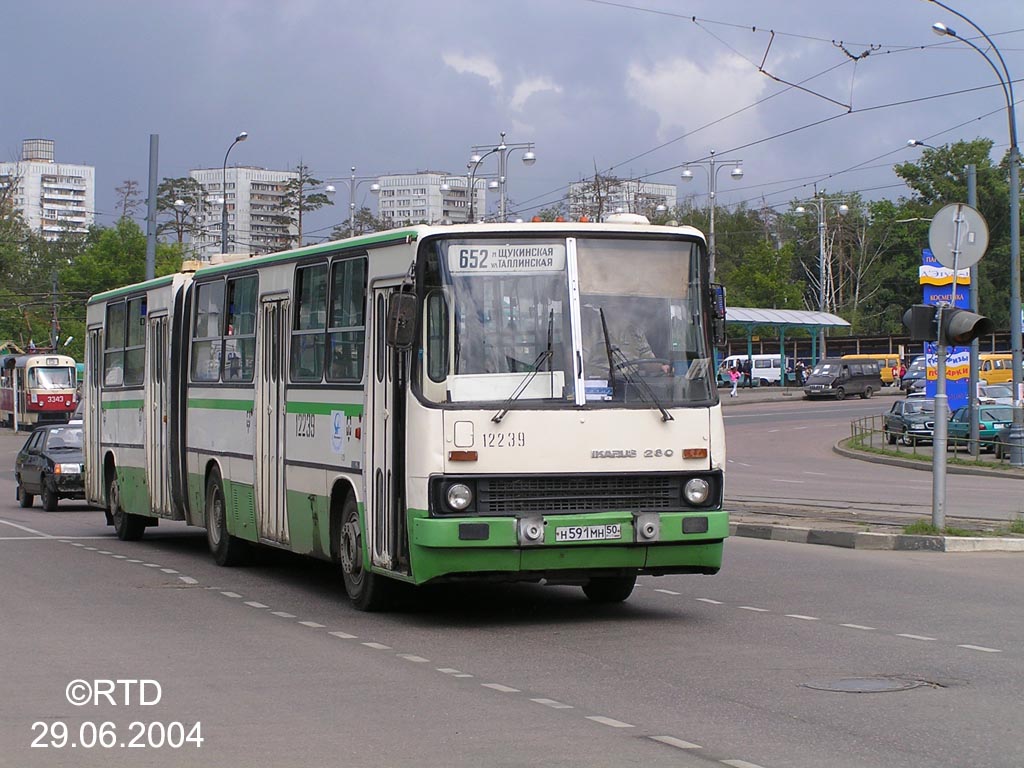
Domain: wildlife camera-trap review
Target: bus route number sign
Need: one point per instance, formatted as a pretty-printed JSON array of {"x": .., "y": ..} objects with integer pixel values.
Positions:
[
  {"x": 489, "y": 259},
  {"x": 588, "y": 532}
]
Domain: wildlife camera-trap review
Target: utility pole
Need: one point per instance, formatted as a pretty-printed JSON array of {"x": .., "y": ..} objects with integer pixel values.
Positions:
[{"x": 54, "y": 324}]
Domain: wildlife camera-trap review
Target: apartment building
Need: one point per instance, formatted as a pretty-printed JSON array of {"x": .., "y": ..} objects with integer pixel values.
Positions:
[
  {"x": 54, "y": 199},
  {"x": 428, "y": 197},
  {"x": 256, "y": 215},
  {"x": 609, "y": 195}
]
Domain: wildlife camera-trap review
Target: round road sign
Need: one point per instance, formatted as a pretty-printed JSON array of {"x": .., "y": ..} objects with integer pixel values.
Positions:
[{"x": 958, "y": 232}]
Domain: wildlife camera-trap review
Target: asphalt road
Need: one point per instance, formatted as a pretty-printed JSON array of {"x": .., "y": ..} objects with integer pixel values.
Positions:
[{"x": 781, "y": 453}]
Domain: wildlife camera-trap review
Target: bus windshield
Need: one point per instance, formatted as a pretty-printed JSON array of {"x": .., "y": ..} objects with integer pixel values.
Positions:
[
  {"x": 49, "y": 377},
  {"x": 499, "y": 322}
]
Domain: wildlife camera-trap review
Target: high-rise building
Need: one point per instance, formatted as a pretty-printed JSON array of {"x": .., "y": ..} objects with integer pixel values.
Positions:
[
  {"x": 610, "y": 195},
  {"x": 54, "y": 198},
  {"x": 257, "y": 219},
  {"x": 428, "y": 197}
]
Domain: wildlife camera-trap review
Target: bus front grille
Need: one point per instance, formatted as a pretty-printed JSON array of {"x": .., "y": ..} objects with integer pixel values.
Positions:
[{"x": 567, "y": 494}]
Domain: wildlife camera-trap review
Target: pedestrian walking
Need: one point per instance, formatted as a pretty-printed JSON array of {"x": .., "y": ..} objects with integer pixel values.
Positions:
[
  {"x": 734, "y": 377},
  {"x": 748, "y": 367}
]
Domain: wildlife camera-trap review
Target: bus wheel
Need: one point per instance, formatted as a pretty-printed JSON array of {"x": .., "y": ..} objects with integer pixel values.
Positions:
[
  {"x": 609, "y": 589},
  {"x": 227, "y": 550},
  {"x": 366, "y": 590},
  {"x": 127, "y": 527}
]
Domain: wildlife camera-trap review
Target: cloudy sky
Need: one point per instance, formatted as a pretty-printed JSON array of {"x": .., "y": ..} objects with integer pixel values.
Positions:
[{"x": 801, "y": 91}]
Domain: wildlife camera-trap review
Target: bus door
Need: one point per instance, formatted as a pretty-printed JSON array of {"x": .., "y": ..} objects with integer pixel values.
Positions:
[
  {"x": 158, "y": 459},
  {"x": 271, "y": 354},
  {"x": 93, "y": 418},
  {"x": 385, "y": 484}
]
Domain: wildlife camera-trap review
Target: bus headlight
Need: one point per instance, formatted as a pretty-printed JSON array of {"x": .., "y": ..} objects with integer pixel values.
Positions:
[
  {"x": 696, "y": 491},
  {"x": 459, "y": 496}
]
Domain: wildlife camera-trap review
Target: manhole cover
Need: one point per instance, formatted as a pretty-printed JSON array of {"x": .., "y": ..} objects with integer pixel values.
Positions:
[{"x": 866, "y": 684}]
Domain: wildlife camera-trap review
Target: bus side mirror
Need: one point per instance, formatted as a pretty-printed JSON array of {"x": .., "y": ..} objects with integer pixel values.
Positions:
[
  {"x": 718, "y": 311},
  {"x": 401, "y": 328}
]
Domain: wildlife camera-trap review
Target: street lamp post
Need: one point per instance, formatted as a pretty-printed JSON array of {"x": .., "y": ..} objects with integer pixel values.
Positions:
[
  {"x": 820, "y": 209},
  {"x": 503, "y": 150},
  {"x": 353, "y": 183},
  {"x": 1016, "y": 435},
  {"x": 224, "y": 192},
  {"x": 712, "y": 170}
]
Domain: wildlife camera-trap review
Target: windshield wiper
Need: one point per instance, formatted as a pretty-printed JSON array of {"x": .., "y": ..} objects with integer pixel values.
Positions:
[
  {"x": 545, "y": 355},
  {"x": 624, "y": 365}
]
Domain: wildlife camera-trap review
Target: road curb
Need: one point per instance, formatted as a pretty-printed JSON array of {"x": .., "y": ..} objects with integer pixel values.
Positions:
[
  {"x": 924, "y": 466},
  {"x": 876, "y": 541}
]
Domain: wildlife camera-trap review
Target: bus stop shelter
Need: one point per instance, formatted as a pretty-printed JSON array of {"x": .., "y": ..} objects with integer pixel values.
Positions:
[{"x": 813, "y": 322}]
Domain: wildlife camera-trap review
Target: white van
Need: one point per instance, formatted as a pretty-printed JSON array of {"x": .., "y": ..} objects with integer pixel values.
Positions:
[{"x": 764, "y": 369}]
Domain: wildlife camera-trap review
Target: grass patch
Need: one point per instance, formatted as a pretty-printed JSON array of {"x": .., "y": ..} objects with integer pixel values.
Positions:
[{"x": 1017, "y": 526}]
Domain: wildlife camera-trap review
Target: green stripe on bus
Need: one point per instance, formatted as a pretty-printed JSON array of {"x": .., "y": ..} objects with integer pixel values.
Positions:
[
  {"x": 404, "y": 235},
  {"x": 325, "y": 409},
  {"x": 117, "y": 405},
  {"x": 107, "y": 295},
  {"x": 215, "y": 404}
]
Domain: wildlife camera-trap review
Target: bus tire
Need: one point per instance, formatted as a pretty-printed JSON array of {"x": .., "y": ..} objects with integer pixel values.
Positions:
[
  {"x": 227, "y": 550},
  {"x": 25, "y": 498},
  {"x": 609, "y": 589},
  {"x": 127, "y": 527},
  {"x": 367, "y": 591},
  {"x": 49, "y": 499}
]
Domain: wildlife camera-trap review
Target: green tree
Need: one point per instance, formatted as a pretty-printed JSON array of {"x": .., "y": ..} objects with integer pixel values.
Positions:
[
  {"x": 365, "y": 222},
  {"x": 940, "y": 178},
  {"x": 179, "y": 204},
  {"x": 764, "y": 278},
  {"x": 300, "y": 198}
]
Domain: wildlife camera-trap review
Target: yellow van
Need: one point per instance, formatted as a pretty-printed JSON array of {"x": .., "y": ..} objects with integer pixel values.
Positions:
[
  {"x": 995, "y": 367},
  {"x": 885, "y": 362}
]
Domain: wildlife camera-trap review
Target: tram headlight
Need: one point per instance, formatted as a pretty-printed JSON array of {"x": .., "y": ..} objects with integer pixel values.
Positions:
[
  {"x": 459, "y": 496},
  {"x": 696, "y": 491}
]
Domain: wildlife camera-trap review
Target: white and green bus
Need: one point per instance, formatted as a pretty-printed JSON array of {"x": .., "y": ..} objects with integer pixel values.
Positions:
[{"x": 518, "y": 402}]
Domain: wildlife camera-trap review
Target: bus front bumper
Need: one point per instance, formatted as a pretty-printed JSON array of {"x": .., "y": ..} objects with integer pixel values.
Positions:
[{"x": 551, "y": 546}]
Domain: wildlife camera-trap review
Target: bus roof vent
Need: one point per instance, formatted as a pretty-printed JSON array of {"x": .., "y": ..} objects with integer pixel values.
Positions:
[{"x": 626, "y": 218}]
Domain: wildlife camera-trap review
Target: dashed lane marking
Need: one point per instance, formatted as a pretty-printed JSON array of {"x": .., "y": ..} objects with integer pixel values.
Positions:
[
  {"x": 913, "y": 637},
  {"x": 500, "y": 688},
  {"x": 254, "y": 604},
  {"x": 802, "y": 617},
  {"x": 552, "y": 703},
  {"x": 610, "y": 722},
  {"x": 740, "y": 764},
  {"x": 231, "y": 594},
  {"x": 283, "y": 614},
  {"x": 188, "y": 580},
  {"x": 343, "y": 635},
  {"x": 752, "y": 608},
  {"x": 981, "y": 648},
  {"x": 378, "y": 646},
  {"x": 312, "y": 624},
  {"x": 667, "y": 592},
  {"x": 672, "y": 741},
  {"x": 413, "y": 658},
  {"x": 168, "y": 570},
  {"x": 709, "y": 601},
  {"x": 858, "y": 626}
]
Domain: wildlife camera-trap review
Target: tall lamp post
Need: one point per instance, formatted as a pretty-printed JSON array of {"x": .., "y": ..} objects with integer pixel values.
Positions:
[
  {"x": 820, "y": 208},
  {"x": 712, "y": 170},
  {"x": 1016, "y": 436},
  {"x": 354, "y": 183},
  {"x": 503, "y": 150},
  {"x": 224, "y": 191}
]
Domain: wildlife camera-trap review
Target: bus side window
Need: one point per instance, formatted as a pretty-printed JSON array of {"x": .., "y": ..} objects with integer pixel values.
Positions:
[{"x": 437, "y": 336}]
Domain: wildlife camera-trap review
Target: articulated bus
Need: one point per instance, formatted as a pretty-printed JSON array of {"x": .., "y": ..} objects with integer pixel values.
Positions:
[
  {"x": 37, "y": 389},
  {"x": 519, "y": 402}
]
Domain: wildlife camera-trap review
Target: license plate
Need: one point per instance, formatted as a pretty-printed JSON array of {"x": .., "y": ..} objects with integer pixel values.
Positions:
[
  {"x": 588, "y": 532},
  {"x": 999, "y": 425}
]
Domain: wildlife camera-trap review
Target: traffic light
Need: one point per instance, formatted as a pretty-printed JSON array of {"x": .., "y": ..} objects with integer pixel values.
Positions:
[
  {"x": 960, "y": 327},
  {"x": 920, "y": 321}
]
